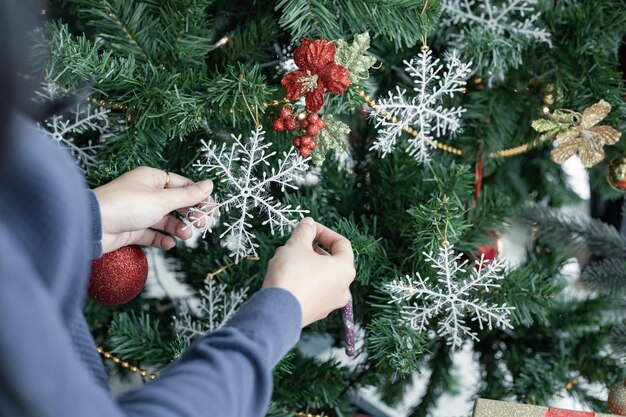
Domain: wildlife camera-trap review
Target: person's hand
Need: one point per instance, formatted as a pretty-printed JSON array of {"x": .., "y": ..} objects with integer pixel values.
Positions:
[
  {"x": 320, "y": 281},
  {"x": 135, "y": 208}
]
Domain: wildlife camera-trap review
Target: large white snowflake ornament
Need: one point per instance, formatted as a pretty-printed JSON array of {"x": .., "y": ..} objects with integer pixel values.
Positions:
[
  {"x": 239, "y": 168},
  {"x": 499, "y": 29},
  {"x": 216, "y": 306},
  {"x": 450, "y": 298},
  {"x": 425, "y": 110},
  {"x": 81, "y": 118}
]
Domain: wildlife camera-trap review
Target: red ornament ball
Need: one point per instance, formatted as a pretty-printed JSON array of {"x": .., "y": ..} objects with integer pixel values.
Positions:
[
  {"x": 617, "y": 173},
  {"x": 119, "y": 276},
  {"x": 489, "y": 251}
]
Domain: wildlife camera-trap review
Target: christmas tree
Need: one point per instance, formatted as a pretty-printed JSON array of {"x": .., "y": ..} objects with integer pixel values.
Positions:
[{"x": 420, "y": 130}]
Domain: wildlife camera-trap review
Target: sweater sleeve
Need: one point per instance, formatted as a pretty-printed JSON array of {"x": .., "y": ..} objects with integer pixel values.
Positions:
[
  {"x": 224, "y": 374},
  {"x": 96, "y": 225},
  {"x": 228, "y": 372}
]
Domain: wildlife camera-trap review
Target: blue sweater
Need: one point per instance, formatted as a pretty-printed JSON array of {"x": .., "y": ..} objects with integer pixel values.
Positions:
[{"x": 49, "y": 232}]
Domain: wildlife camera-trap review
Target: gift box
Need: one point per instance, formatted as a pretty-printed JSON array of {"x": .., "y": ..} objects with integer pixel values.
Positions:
[{"x": 492, "y": 408}]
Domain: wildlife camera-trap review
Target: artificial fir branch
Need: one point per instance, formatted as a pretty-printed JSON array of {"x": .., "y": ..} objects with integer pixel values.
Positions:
[
  {"x": 607, "y": 276},
  {"x": 591, "y": 234},
  {"x": 191, "y": 89}
]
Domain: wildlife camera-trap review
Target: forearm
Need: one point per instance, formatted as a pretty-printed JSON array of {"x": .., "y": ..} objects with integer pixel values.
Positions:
[
  {"x": 224, "y": 374},
  {"x": 228, "y": 372}
]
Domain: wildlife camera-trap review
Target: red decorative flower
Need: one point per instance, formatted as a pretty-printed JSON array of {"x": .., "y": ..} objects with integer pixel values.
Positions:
[{"x": 318, "y": 72}]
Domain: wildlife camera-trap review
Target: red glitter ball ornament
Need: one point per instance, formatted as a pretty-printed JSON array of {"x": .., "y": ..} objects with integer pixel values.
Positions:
[
  {"x": 489, "y": 251},
  {"x": 119, "y": 276},
  {"x": 317, "y": 73}
]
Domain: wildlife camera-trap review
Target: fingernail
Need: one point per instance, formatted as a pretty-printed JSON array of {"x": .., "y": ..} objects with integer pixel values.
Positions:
[
  {"x": 308, "y": 220},
  {"x": 206, "y": 186}
]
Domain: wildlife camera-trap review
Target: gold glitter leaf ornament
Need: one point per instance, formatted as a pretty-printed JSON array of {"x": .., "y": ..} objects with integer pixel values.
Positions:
[{"x": 585, "y": 138}]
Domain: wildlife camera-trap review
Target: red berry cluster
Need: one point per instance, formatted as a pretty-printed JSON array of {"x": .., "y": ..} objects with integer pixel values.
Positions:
[
  {"x": 305, "y": 144},
  {"x": 285, "y": 120},
  {"x": 311, "y": 124}
]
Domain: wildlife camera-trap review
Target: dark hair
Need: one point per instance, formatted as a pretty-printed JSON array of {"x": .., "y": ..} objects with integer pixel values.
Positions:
[
  {"x": 8, "y": 70},
  {"x": 17, "y": 19}
]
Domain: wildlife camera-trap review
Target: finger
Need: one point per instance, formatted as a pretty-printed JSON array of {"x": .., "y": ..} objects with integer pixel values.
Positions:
[
  {"x": 304, "y": 233},
  {"x": 160, "y": 179},
  {"x": 178, "y": 198},
  {"x": 320, "y": 251},
  {"x": 177, "y": 181},
  {"x": 149, "y": 237},
  {"x": 336, "y": 243},
  {"x": 173, "y": 226},
  {"x": 209, "y": 207}
]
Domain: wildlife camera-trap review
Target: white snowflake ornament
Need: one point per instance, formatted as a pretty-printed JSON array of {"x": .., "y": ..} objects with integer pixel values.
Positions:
[
  {"x": 81, "y": 118},
  {"x": 451, "y": 299},
  {"x": 216, "y": 306},
  {"x": 239, "y": 168},
  {"x": 503, "y": 26},
  {"x": 425, "y": 110}
]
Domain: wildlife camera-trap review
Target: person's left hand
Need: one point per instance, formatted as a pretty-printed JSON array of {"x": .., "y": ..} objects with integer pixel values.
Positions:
[{"x": 135, "y": 208}]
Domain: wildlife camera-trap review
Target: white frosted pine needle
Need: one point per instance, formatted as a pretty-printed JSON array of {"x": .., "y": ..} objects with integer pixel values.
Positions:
[
  {"x": 81, "y": 118},
  {"x": 217, "y": 306},
  {"x": 424, "y": 110},
  {"x": 450, "y": 299},
  {"x": 239, "y": 167},
  {"x": 500, "y": 24}
]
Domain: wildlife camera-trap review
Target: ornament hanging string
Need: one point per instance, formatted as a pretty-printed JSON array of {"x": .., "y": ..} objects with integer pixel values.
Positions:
[
  {"x": 424, "y": 35},
  {"x": 444, "y": 235},
  {"x": 478, "y": 177},
  {"x": 254, "y": 115},
  {"x": 218, "y": 271}
]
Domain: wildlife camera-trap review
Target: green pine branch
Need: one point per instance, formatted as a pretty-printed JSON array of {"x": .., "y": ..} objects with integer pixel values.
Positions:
[{"x": 399, "y": 21}]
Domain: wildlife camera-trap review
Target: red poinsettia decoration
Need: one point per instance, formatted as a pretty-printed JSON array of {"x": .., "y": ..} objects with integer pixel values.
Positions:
[{"x": 318, "y": 72}]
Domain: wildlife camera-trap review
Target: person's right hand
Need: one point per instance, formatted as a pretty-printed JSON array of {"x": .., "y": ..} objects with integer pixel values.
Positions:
[{"x": 319, "y": 281}]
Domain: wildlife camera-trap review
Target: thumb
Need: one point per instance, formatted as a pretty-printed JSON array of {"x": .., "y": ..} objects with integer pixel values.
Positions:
[
  {"x": 188, "y": 196},
  {"x": 304, "y": 233}
]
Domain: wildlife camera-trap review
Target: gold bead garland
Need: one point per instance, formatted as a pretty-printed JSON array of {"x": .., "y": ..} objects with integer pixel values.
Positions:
[
  {"x": 146, "y": 374},
  {"x": 125, "y": 364},
  {"x": 211, "y": 275},
  {"x": 518, "y": 150},
  {"x": 574, "y": 381},
  {"x": 503, "y": 153},
  {"x": 408, "y": 129}
]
